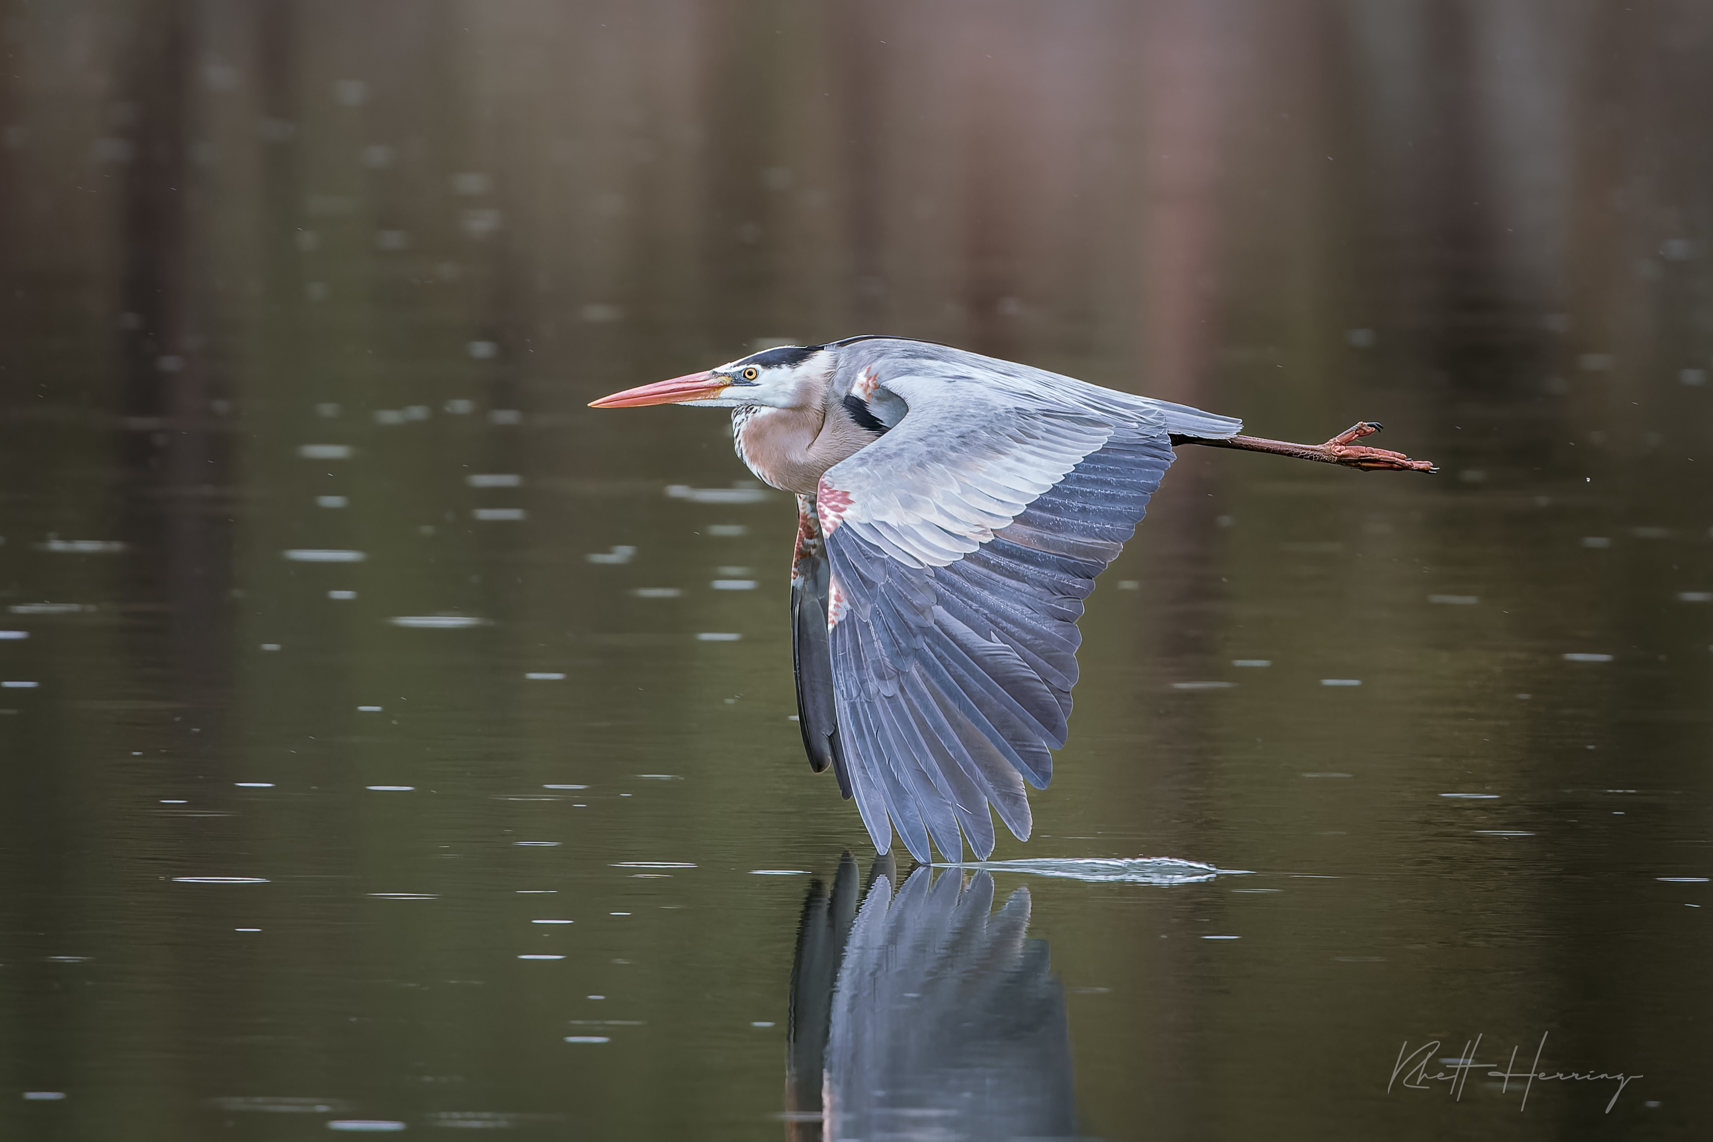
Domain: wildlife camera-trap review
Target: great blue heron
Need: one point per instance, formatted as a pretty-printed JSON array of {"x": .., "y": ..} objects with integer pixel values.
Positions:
[{"x": 953, "y": 512}]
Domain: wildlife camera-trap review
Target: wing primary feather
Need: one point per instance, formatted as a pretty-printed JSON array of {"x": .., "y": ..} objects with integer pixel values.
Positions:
[{"x": 934, "y": 798}]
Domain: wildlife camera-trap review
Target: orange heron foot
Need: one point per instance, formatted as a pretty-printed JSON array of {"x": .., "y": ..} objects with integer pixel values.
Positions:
[{"x": 1343, "y": 449}]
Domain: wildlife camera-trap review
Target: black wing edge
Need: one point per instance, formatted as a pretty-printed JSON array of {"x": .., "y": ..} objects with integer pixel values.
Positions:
[{"x": 811, "y": 654}]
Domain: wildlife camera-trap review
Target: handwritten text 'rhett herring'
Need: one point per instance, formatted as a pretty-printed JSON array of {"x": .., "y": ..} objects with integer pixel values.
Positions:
[{"x": 1412, "y": 1067}]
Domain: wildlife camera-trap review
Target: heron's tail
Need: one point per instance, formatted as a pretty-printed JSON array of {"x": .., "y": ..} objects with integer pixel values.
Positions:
[{"x": 1182, "y": 420}]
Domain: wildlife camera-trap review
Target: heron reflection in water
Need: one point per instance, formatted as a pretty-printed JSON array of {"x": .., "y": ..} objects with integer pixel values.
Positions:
[
  {"x": 922, "y": 1013},
  {"x": 953, "y": 512}
]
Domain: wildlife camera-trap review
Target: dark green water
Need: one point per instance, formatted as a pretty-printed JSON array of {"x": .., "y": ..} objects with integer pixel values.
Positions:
[{"x": 286, "y": 278}]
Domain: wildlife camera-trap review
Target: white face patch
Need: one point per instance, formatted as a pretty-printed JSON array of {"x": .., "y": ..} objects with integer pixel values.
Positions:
[{"x": 778, "y": 386}]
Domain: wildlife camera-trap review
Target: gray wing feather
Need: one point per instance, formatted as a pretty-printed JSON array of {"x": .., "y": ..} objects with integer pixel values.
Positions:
[
  {"x": 959, "y": 549},
  {"x": 952, "y": 676}
]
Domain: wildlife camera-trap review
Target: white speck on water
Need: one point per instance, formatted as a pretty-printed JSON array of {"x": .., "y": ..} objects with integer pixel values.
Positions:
[
  {"x": 68, "y": 959},
  {"x": 328, "y": 409},
  {"x": 323, "y": 555},
  {"x": 597, "y": 996},
  {"x": 493, "y": 479},
  {"x": 1695, "y": 596},
  {"x": 621, "y": 553},
  {"x": 44, "y": 1095},
  {"x": 1473, "y": 796},
  {"x": 505, "y": 416},
  {"x": 538, "y": 891},
  {"x": 48, "y": 608},
  {"x": 459, "y": 407},
  {"x": 779, "y": 872},
  {"x": 1692, "y": 377},
  {"x": 565, "y": 787},
  {"x": 1596, "y": 541},
  {"x": 1222, "y": 937},
  {"x": 1326, "y": 775},
  {"x": 545, "y": 676},
  {"x": 618, "y": 913},
  {"x": 331, "y": 501},
  {"x": 656, "y": 592},
  {"x": 1341, "y": 681},
  {"x": 13, "y": 635},
  {"x": 539, "y": 956},
  {"x": 1455, "y": 600},
  {"x": 1203, "y": 685},
  {"x": 734, "y": 584},
  {"x": 254, "y": 784},
  {"x": 390, "y": 788},
  {"x": 587, "y": 1039},
  {"x": 174, "y": 801},
  {"x": 538, "y": 844},
  {"x": 499, "y": 514},
  {"x": 552, "y": 921},
  {"x": 270, "y": 646},
  {"x": 1580, "y": 657},
  {"x": 716, "y": 495},
  {"x": 761, "y": 1024},
  {"x": 1683, "y": 879},
  {"x": 650, "y": 864},
  {"x": 727, "y": 530},
  {"x": 1251, "y": 662},
  {"x": 81, "y": 546},
  {"x": 405, "y": 895},
  {"x": 482, "y": 350},
  {"x": 438, "y": 622},
  {"x": 660, "y": 777},
  {"x": 221, "y": 879},
  {"x": 343, "y": 596},
  {"x": 369, "y": 709},
  {"x": 1503, "y": 833},
  {"x": 717, "y": 636},
  {"x": 1129, "y": 585},
  {"x": 324, "y": 451},
  {"x": 18, "y": 684},
  {"x": 371, "y": 1125}
]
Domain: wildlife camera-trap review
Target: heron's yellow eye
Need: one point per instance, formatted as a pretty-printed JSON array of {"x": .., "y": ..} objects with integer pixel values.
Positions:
[{"x": 750, "y": 374}]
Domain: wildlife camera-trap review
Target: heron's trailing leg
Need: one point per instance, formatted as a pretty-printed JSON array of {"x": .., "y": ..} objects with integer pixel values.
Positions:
[{"x": 1341, "y": 449}]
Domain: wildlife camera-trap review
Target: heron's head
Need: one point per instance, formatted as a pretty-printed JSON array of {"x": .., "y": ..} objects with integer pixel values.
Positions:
[{"x": 791, "y": 376}]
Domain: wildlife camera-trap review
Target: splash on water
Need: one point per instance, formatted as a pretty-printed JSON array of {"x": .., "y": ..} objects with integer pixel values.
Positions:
[{"x": 1132, "y": 870}]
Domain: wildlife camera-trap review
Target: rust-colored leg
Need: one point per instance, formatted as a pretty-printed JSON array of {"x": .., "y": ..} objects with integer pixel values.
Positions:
[{"x": 1341, "y": 449}]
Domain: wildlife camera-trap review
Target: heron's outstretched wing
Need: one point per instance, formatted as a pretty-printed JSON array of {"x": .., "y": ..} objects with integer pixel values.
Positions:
[{"x": 960, "y": 547}]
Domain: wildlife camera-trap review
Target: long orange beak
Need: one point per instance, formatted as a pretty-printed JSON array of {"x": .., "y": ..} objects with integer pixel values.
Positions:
[{"x": 692, "y": 386}]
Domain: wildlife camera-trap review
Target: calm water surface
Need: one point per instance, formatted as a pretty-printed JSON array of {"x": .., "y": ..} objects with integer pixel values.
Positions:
[{"x": 390, "y": 742}]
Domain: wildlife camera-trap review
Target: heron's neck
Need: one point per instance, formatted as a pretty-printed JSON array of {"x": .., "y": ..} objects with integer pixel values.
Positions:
[{"x": 789, "y": 448}]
